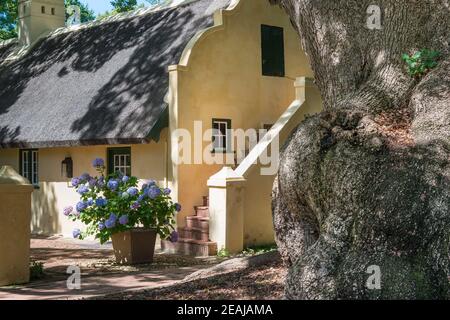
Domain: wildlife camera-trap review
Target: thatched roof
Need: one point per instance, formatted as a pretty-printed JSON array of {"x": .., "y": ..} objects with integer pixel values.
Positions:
[{"x": 103, "y": 84}]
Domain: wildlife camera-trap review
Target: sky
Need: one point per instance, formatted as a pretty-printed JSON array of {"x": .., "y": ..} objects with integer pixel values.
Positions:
[{"x": 100, "y": 6}]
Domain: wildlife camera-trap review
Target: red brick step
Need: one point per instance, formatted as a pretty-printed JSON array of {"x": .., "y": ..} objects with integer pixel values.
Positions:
[{"x": 190, "y": 247}]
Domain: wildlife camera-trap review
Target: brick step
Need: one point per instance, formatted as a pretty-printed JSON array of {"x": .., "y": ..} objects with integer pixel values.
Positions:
[
  {"x": 205, "y": 201},
  {"x": 190, "y": 247},
  {"x": 197, "y": 222},
  {"x": 194, "y": 233},
  {"x": 202, "y": 211}
]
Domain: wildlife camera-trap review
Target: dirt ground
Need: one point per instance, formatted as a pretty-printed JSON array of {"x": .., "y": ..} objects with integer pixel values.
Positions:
[{"x": 256, "y": 283}]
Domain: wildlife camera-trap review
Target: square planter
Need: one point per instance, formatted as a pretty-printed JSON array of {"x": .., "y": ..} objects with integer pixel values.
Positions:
[{"x": 134, "y": 246}]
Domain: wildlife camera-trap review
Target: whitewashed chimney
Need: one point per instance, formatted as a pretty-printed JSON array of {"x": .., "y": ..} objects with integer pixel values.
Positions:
[{"x": 38, "y": 17}]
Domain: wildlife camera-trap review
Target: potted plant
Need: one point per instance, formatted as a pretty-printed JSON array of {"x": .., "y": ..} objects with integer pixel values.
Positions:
[{"x": 115, "y": 207}]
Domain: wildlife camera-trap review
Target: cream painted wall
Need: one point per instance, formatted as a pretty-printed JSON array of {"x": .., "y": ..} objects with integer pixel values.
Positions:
[
  {"x": 220, "y": 76},
  {"x": 149, "y": 161}
]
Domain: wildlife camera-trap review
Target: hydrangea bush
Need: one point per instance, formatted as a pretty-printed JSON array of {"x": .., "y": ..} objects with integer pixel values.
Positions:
[{"x": 114, "y": 203}]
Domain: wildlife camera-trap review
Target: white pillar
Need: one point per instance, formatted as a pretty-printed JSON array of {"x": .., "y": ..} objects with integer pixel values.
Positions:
[{"x": 226, "y": 210}]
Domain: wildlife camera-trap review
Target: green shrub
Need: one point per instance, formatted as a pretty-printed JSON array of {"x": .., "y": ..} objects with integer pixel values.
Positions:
[
  {"x": 421, "y": 62},
  {"x": 36, "y": 270}
]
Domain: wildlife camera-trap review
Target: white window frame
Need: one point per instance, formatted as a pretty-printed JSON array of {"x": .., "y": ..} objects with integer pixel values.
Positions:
[{"x": 220, "y": 126}]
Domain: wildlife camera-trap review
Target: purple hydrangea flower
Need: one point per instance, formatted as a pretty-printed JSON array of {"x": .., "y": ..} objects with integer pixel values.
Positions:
[
  {"x": 101, "y": 202},
  {"x": 67, "y": 210},
  {"x": 81, "y": 206},
  {"x": 101, "y": 226},
  {"x": 92, "y": 182},
  {"x": 113, "y": 184},
  {"x": 123, "y": 220},
  {"x": 167, "y": 191},
  {"x": 132, "y": 191},
  {"x": 177, "y": 207},
  {"x": 101, "y": 182},
  {"x": 154, "y": 192},
  {"x": 151, "y": 183},
  {"x": 173, "y": 236},
  {"x": 125, "y": 179},
  {"x": 85, "y": 177},
  {"x": 135, "y": 205},
  {"x": 82, "y": 190},
  {"x": 98, "y": 162},
  {"x": 75, "y": 182},
  {"x": 76, "y": 233}
]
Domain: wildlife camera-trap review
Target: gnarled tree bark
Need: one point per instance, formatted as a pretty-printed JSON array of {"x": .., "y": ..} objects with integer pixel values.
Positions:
[{"x": 367, "y": 181}]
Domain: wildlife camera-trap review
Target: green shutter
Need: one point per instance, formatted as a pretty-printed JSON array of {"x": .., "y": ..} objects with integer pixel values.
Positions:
[{"x": 272, "y": 49}]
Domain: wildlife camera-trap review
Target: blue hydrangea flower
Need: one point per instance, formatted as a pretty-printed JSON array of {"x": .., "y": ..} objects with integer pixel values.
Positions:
[
  {"x": 154, "y": 192},
  {"x": 76, "y": 233},
  {"x": 123, "y": 220},
  {"x": 141, "y": 198},
  {"x": 101, "y": 226},
  {"x": 177, "y": 207},
  {"x": 174, "y": 236},
  {"x": 90, "y": 202},
  {"x": 67, "y": 210},
  {"x": 151, "y": 183},
  {"x": 101, "y": 202},
  {"x": 113, "y": 184},
  {"x": 81, "y": 206},
  {"x": 82, "y": 189},
  {"x": 110, "y": 223},
  {"x": 125, "y": 179},
  {"x": 112, "y": 216},
  {"x": 132, "y": 191},
  {"x": 98, "y": 162},
  {"x": 167, "y": 191},
  {"x": 75, "y": 182},
  {"x": 144, "y": 186}
]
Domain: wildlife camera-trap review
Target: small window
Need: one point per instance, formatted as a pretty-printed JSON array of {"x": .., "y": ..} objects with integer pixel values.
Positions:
[
  {"x": 221, "y": 135},
  {"x": 53, "y": 11},
  {"x": 272, "y": 51},
  {"x": 29, "y": 165},
  {"x": 119, "y": 159},
  {"x": 43, "y": 9}
]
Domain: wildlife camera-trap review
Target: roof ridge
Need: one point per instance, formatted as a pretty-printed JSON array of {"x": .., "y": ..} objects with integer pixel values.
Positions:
[{"x": 120, "y": 17}]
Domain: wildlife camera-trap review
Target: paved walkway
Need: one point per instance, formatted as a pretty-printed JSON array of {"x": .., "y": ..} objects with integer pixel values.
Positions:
[{"x": 99, "y": 273}]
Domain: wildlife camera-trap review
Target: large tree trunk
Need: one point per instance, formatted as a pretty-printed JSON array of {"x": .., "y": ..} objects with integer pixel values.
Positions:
[{"x": 367, "y": 181}]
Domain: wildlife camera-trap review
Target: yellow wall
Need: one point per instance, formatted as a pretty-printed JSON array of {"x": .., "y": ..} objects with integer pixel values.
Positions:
[
  {"x": 149, "y": 161},
  {"x": 258, "y": 225},
  {"x": 220, "y": 76}
]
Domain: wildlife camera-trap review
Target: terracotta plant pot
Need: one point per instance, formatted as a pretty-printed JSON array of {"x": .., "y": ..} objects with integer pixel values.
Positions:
[{"x": 134, "y": 246}]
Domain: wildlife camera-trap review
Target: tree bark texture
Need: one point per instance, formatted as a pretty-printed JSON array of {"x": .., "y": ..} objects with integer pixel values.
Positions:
[{"x": 367, "y": 181}]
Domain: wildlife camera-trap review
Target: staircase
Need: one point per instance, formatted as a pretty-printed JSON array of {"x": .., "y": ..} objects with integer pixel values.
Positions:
[{"x": 194, "y": 237}]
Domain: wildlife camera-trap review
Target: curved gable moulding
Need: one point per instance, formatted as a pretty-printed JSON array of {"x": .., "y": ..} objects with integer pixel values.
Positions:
[{"x": 220, "y": 22}]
